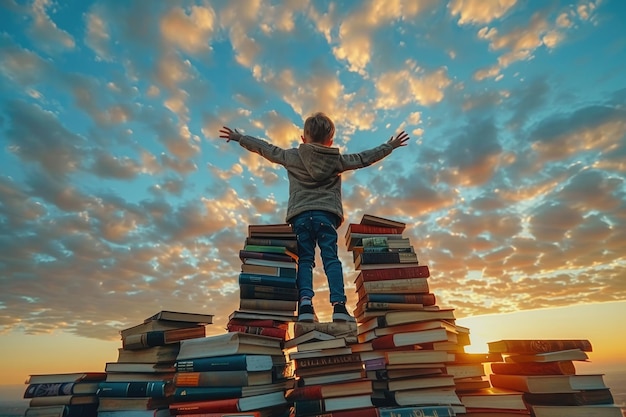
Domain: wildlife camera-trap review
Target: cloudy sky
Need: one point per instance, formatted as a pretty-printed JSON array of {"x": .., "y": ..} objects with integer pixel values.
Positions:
[{"x": 118, "y": 199}]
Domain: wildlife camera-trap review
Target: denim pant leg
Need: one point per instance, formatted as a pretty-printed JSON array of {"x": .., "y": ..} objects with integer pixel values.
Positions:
[
  {"x": 327, "y": 241},
  {"x": 306, "y": 255}
]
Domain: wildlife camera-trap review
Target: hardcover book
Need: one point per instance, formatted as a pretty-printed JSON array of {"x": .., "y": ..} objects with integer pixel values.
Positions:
[
  {"x": 391, "y": 341},
  {"x": 371, "y": 260},
  {"x": 271, "y": 231},
  {"x": 272, "y": 270},
  {"x": 266, "y": 280},
  {"x": 222, "y": 378},
  {"x": 370, "y": 219},
  {"x": 153, "y": 389},
  {"x": 394, "y": 286},
  {"x": 153, "y": 355},
  {"x": 394, "y": 318},
  {"x": 321, "y": 391},
  {"x": 548, "y": 383},
  {"x": 161, "y": 337},
  {"x": 529, "y": 346},
  {"x": 217, "y": 393},
  {"x": 327, "y": 361},
  {"x": 196, "y": 318},
  {"x": 230, "y": 405},
  {"x": 236, "y": 362},
  {"x": 312, "y": 407},
  {"x": 267, "y": 304},
  {"x": 576, "y": 411},
  {"x": 267, "y": 292},
  {"x": 78, "y": 410},
  {"x": 290, "y": 243},
  {"x": 280, "y": 256},
  {"x": 63, "y": 400},
  {"x": 435, "y": 381},
  {"x": 62, "y": 388},
  {"x": 424, "y": 299},
  {"x": 410, "y": 271},
  {"x": 562, "y": 355},
  {"x": 493, "y": 399},
  {"x": 534, "y": 368},
  {"x": 229, "y": 344},
  {"x": 584, "y": 397},
  {"x": 65, "y": 377}
]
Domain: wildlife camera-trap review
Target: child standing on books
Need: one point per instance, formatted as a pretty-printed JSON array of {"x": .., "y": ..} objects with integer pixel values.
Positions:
[{"x": 315, "y": 208}]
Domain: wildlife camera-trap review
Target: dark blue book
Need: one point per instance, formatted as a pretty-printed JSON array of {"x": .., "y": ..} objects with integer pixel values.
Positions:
[
  {"x": 241, "y": 362},
  {"x": 151, "y": 389},
  {"x": 268, "y": 280},
  {"x": 222, "y": 393}
]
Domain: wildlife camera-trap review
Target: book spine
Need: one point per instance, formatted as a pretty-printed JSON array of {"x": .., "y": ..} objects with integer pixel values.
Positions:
[
  {"x": 267, "y": 280},
  {"x": 586, "y": 397},
  {"x": 417, "y": 411},
  {"x": 48, "y": 390},
  {"x": 370, "y": 229},
  {"x": 367, "y": 258},
  {"x": 206, "y": 393},
  {"x": 266, "y": 304},
  {"x": 268, "y": 256},
  {"x": 410, "y": 285},
  {"x": 219, "y": 363},
  {"x": 389, "y": 306},
  {"x": 327, "y": 360},
  {"x": 539, "y": 346},
  {"x": 534, "y": 368},
  {"x": 228, "y": 405},
  {"x": 211, "y": 379},
  {"x": 311, "y": 392},
  {"x": 263, "y": 331},
  {"x": 308, "y": 407},
  {"x": 238, "y": 414},
  {"x": 153, "y": 389},
  {"x": 267, "y": 292},
  {"x": 417, "y": 271},
  {"x": 426, "y": 299}
]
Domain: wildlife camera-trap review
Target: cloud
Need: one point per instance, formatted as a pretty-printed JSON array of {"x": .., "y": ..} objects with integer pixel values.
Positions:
[
  {"x": 45, "y": 32},
  {"x": 479, "y": 12}
]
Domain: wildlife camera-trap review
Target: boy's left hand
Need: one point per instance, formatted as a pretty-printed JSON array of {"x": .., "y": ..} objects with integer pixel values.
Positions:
[{"x": 230, "y": 134}]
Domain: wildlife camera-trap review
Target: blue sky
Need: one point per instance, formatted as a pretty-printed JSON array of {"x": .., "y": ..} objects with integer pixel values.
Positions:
[{"x": 118, "y": 199}]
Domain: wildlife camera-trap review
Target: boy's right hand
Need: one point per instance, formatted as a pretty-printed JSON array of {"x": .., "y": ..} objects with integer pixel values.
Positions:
[
  {"x": 399, "y": 140},
  {"x": 230, "y": 134}
]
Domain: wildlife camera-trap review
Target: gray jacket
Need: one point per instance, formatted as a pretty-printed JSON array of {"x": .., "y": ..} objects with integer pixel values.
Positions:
[{"x": 314, "y": 172}]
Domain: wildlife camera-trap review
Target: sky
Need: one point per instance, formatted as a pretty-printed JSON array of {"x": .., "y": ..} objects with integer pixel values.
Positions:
[{"x": 118, "y": 198}]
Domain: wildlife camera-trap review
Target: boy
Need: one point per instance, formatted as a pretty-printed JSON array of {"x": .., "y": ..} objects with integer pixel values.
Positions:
[{"x": 315, "y": 208}]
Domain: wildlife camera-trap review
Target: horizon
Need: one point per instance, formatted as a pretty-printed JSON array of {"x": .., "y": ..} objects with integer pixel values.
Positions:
[{"x": 118, "y": 198}]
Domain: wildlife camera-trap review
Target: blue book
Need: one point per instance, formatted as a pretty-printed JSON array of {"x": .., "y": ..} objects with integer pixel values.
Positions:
[
  {"x": 268, "y": 280},
  {"x": 242, "y": 362},
  {"x": 151, "y": 389},
  {"x": 222, "y": 393}
]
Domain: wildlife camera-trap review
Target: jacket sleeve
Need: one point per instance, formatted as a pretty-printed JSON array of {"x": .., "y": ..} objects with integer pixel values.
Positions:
[
  {"x": 266, "y": 150},
  {"x": 365, "y": 158}
]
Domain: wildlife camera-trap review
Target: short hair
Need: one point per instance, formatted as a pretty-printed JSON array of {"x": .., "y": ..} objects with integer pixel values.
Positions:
[{"x": 319, "y": 128}]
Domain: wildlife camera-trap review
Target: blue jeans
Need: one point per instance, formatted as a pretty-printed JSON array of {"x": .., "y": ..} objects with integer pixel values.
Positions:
[{"x": 318, "y": 227}]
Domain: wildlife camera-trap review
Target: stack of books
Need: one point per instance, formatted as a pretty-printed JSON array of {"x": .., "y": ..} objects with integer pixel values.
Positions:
[
  {"x": 63, "y": 394},
  {"x": 329, "y": 376},
  {"x": 267, "y": 282},
  {"x": 141, "y": 380},
  {"x": 544, "y": 372},
  {"x": 405, "y": 338},
  {"x": 232, "y": 372}
]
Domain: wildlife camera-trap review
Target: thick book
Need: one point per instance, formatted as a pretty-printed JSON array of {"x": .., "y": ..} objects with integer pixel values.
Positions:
[
  {"x": 139, "y": 376},
  {"x": 138, "y": 367},
  {"x": 229, "y": 344},
  {"x": 272, "y": 270},
  {"x": 65, "y": 377},
  {"x": 488, "y": 357},
  {"x": 367, "y": 260},
  {"x": 269, "y": 249},
  {"x": 423, "y": 396},
  {"x": 77, "y": 410},
  {"x": 222, "y": 378},
  {"x": 465, "y": 370},
  {"x": 368, "y": 310},
  {"x": 291, "y": 243},
  {"x": 153, "y": 389},
  {"x": 156, "y": 354},
  {"x": 196, "y": 318},
  {"x": 434, "y": 381},
  {"x": 271, "y": 231},
  {"x": 548, "y": 383},
  {"x": 394, "y": 318},
  {"x": 529, "y": 346},
  {"x": 281, "y": 255},
  {"x": 393, "y": 286},
  {"x": 561, "y": 355},
  {"x": 161, "y": 337},
  {"x": 425, "y": 299},
  {"x": 355, "y": 240},
  {"x": 405, "y": 357},
  {"x": 267, "y": 292},
  {"x": 221, "y": 392},
  {"x": 576, "y": 411},
  {"x": 266, "y": 280},
  {"x": 155, "y": 325},
  {"x": 493, "y": 399},
  {"x": 267, "y": 304},
  {"x": 131, "y": 403},
  {"x": 371, "y": 229},
  {"x": 584, "y": 397},
  {"x": 411, "y": 271},
  {"x": 419, "y": 337},
  {"x": 252, "y": 363},
  {"x": 372, "y": 220},
  {"x": 63, "y": 400},
  {"x": 312, "y": 407},
  {"x": 333, "y": 343},
  {"x": 228, "y": 405},
  {"x": 62, "y": 388},
  {"x": 368, "y": 335},
  {"x": 534, "y": 368},
  {"x": 263, "y": 331},
  {"x": 321, "y": 391}
]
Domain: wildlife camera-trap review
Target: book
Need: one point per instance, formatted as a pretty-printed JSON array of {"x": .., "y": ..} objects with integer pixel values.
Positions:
[
  {"x": 331, "y": 378},
  {"x": 493, "y": 398},
  {"x": 258, "y": 315},
  {"x": 434, "y": 381},
  {"x": 63, "y": 400},
  {"x": 267, "y": 262},
  {"x": 322, "y": 344},
  {"x": 355, "y": 240},
  {"x": 394, "y": 318},
  {"x": 534, "y": 368},
  {"x": 409, "y": 271},
  {"x": 260, "y": 323},
  {"x": 391, "y": 341},
  {"x": 268, "y": 292},
  {"x": 137, "y": 367},
  {"x": 221, "y": 392},
  {"x": 279, "y": 230},
  {"x": 310, "y": 336},
  {"x": 281, "y": 255},
  {"x": 529, "y": 346},
  {"x": 131, "y": 403},
  {"x": 321, "y": 391},
  {"x": 290, "y": 243},
  {"x": 465, "y": 370},
  {"x": 340, "y": 329},
  {"x": 236, "y": 362},
  {"x": 156, "y": 354},
  {"x": 328, "y": 361},
  {"x": 368, "y": 260},
  {"x": 317, "y": 371},
  {"x": 382, "y": 242},
  {"x": 266, "y": 280},
  {"x": 162, "y": 412},
  {"x": 425, "y": 299},
  {"x": 267, "y": 304},
  {"x": 155, "y": 325},
  {"x": 576, "y": 411},
  {"x": 263, "y": 331},
  {"x": 229, "y": 405},
  {"x": 161, "y": 337},
  {"x": 319, "y": 353},
  {"x": 548, "y": 383},
  {"x": 229, "y": 344},
  {"x": 562, "y": 355},
  {"x": 154, "y": 389},
  {"x": 78, "y": 410},
  {"x": 65, "y": 377},
  {"x": 395, "y": 286},
  {"x": 317, "y": 406},
  {"x": 371, "y": 229},
  {"x": 222, "y": 378},
  {"x": 139, "y": 376},
  {"x": 368, "y": 335},
  {"x": 61, "y": 388},
  {"x": 276, "y": 271},
  {"x": 270, "y": 249},
  {"x": 584, "y": 397},
  {"x": 386, "y": 374},
  {"x": 471, "y": 384},
  {"x": 422, "y": 396},
  {"x": 463, "y": 357},
  {"x": 402, "y": 357},
  {"x": 197, "y": 318},
  {"x": 370, "y": 219}
]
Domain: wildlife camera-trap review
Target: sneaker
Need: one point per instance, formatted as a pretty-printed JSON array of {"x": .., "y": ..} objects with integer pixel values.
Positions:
[
  {"x": 340, "y": 314},
  {"x": 306, "y": 314}
]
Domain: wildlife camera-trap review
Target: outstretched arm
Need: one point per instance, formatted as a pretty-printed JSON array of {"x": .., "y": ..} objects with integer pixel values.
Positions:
[
  {"x": 230, "y": 134},
  {"x": 399, "y": 140}
]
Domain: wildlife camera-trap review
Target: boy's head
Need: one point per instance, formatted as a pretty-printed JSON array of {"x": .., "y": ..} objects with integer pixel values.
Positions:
[{"x": 319, "y": 129}]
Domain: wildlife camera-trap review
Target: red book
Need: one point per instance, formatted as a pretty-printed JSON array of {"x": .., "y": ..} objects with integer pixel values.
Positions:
[
  {"x": 538, "y": 345},
  {"x": 264, "y": 331},
  {"x": 370, "y": 229},
  {"x": 229, "y": 405},
  {"x": 417, "y": 271},
  {"x": 425, "y": 299},
  {"x": 259, "y": 323},
  {"x": 534, "y": 368}
]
